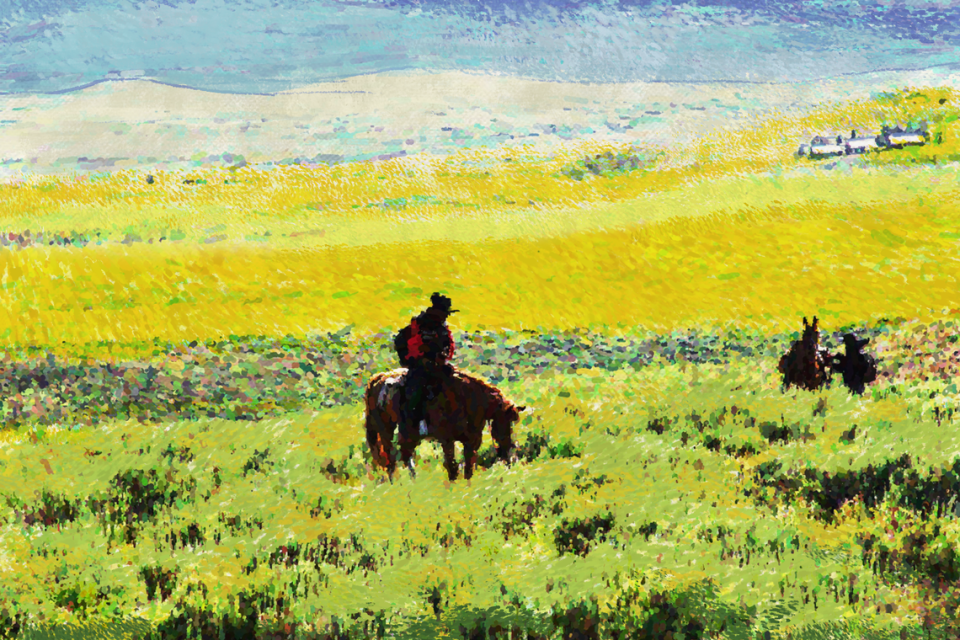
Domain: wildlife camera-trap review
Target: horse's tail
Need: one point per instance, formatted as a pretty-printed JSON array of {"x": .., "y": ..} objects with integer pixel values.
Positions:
[
  {"x": 374, "y": 442},
  {"x": 376, "y": 401},
  {"x": 372, "y": 417}
]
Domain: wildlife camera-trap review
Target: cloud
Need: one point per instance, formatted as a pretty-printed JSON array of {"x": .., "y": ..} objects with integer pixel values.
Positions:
[
  {"x": 22, "y": 33},
  {"x": 271, "y": 45}
]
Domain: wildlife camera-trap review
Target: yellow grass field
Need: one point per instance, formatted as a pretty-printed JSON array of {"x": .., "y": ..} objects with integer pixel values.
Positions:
[
  {"x": 828, "y": 249},
  {"x": 731, "y": 229},
  {"x": 237, "y": 202}
]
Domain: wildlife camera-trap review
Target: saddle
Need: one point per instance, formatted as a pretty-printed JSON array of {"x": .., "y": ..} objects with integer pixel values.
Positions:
[
  {"x": 396, "y": 379},
  {"x": 393, "y": 385}
]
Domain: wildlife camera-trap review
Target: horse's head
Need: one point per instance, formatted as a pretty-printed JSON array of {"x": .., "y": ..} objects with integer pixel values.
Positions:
[
  {"x": 510, "y": 412},
  {"x": 501, "y": 427},
  {"x": 505, "y": 414},
  {"x": 811, "y": 332}
]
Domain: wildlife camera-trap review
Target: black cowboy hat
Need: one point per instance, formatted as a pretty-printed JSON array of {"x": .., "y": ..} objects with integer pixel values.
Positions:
[
  {"x": 852, "y": 340},
  {"x": 442, "y": 304}
]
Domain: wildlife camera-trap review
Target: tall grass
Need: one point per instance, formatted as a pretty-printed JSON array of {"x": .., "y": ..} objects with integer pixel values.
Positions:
[{"x": 650, "y": 483}]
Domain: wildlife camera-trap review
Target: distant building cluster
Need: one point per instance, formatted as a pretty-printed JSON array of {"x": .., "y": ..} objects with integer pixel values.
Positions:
[{"x": 888, "y": 138}]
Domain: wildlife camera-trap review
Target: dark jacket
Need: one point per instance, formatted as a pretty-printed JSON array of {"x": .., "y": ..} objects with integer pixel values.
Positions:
[{"x": 427, "y": 337}]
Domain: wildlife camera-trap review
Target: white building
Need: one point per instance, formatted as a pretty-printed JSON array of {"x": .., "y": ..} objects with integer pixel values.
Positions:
[
  {"x": 905, "y": 137},
  {"x": 861, "y": 144},
  {"x": 824, "y": 146}
]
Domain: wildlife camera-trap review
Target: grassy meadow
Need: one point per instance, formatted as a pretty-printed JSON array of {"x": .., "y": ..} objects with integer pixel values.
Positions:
[{"x": 184, "y": 357}]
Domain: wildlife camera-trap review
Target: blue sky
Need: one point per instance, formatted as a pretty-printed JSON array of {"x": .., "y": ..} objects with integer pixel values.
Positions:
[{"x": 261, "y": 46}]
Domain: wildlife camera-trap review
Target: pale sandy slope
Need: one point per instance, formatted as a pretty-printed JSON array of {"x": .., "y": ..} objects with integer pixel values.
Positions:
[{"x": 150, "y": 125}]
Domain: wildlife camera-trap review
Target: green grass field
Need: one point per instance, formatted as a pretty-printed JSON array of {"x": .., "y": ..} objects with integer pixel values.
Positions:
[
  {"x": 183, "y": 453},
  {"x": 640, "y": 493}
]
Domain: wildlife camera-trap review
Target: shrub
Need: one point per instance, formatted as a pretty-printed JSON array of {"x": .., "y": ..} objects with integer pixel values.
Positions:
[{"x": 575, "y": 536}]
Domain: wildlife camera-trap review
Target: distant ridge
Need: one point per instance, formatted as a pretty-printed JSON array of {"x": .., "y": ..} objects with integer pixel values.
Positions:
[
  {"x": 315, "y": 87},
  {"x": 172, "y": 85}
]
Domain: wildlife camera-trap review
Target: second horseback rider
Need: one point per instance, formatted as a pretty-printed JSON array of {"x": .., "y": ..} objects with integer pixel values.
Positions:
[
  {"x": 858, "y": 368},
  {"x": 424, "y": 347}
]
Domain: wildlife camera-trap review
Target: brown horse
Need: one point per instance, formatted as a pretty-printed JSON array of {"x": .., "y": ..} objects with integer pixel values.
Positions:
[
  {"x": 806, "y": 364},
  {"x": 458, "y": 414}
]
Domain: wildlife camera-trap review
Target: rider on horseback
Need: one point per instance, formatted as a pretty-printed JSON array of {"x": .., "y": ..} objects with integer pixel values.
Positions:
[
  {"x": 424, "y": 347},
  {"x": 858, "y": 368}
]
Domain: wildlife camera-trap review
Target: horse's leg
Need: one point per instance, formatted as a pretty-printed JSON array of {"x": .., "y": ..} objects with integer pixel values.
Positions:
[
  {"x": 502, "y": 433},
  {"x": 387, "y": 427},
  {"x": 390, "y": 458},
  {"x": 470, "y": 447},
  {"x": 449, "y": 450},
  {"x": 373, "y": 441},
  {"x": 407, "y": 448},
  {"x": 380, "y": 429}
]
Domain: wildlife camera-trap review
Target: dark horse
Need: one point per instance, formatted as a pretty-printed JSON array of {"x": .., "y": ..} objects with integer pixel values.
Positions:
[
  {"x": 806, "y": 364},
  {"x": 458, "y": 414}
]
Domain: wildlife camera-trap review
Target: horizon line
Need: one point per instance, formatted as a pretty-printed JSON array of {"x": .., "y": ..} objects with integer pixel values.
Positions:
[{"x": 414, "y": 71}]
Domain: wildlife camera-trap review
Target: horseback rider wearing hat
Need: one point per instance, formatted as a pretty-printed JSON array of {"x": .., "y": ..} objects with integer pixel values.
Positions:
[
  {"x": 424, "y": 347},
  {"x": 858, "y": 368}
]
